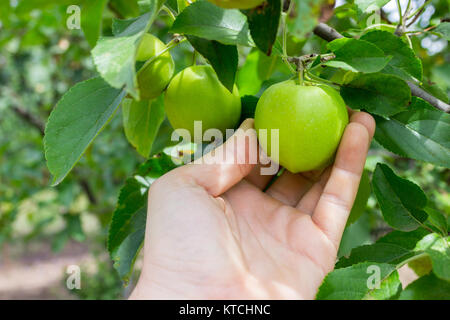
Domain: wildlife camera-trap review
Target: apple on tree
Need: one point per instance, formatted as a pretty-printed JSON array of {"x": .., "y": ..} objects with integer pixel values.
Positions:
[
  {"x": 155, "y": 77},
  {"x": 196, "y": 94},
  {"x": 311, "y": 120}
]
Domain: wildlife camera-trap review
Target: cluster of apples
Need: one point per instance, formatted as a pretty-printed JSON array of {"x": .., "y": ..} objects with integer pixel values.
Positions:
[{"x": 310, "y": 118}]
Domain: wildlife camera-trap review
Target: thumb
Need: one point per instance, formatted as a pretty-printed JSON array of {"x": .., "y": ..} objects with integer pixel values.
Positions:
[{"x": 228, "y": 164}]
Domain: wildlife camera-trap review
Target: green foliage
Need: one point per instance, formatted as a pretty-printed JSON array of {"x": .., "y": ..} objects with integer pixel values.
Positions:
[
  {"x": 357, "y": 56},
  {"x": 306, "y": 16},
  {"x": 90, "y": 24},
  {"x": 351, "y": 283},
  {"x": 394, "y": 248},
  {"x": 404, "y": 62},
  {"x": 84, "y": 110},
  {"x": 443, "y": 29},
  {"x": 40, "y": 60},
  {"x": 421, "y": 133},
  {"x": 141, "y": 123},
  {"x": 378, "y": 93},
  {"x": 126, "y": 233},
  {"x": 263, "y": 23},
  {"x": 402, "y": 202},
  {"x": 364, "y": 5},
  {"x": 114, "y": 57},
  {"x": 256, "y": 69},
  {"x": 438, "y": 248},
  {"x": 362, "y": 196},
  {"x": 208, "y": 21},
  {"x": 427, "y": 288},
  {"x": 223, "y": 58}
]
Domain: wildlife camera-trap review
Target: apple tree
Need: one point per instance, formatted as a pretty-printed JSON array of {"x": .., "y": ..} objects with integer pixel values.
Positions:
[{"x": 376, "y": 61}]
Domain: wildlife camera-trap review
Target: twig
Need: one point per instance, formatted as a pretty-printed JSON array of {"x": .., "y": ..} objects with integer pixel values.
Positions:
[
  {"x": 326, "y": 32},
  {"x": 419, "y": 10},
  {"x": 400, "y": 29},
  {"x": 415, "y": 18},
  {"x": 311, "y": 57},
  {"x": 329, "y": 34},
  {"x": 29, "y": 118},
  {"x": 418, "y": 32},
  {"x": 419, "y": 92}
]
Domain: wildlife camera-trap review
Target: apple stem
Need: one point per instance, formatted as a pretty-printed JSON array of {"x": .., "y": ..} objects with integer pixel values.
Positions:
[
  {"x": 285, "y": 56},
  {"x": 173, "y": 43},
  {"x": 194, "y": 58},
  {"x": 320, "y": 80},
  {"x": 301, "y": 71}
]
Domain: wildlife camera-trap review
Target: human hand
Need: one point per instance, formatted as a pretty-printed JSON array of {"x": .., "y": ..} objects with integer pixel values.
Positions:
[{"x": 212, "y": 233}]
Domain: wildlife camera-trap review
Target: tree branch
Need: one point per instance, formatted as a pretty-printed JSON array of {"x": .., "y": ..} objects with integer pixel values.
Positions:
[
  {"x": 415, "y": 18},
  {"x": 419, "y": 92},
  {"x": 36, "y": 123},
  {"x": 29, "y": 118},
  {"x": 329, "y": 34},
  {"x": 326, "y": 32}
]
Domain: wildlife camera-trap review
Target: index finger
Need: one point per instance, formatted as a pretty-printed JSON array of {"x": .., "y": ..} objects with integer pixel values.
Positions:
[{"x": 337, "y": 199}]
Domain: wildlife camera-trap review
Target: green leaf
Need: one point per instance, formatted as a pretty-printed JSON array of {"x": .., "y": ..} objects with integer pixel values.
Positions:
[
  {"x": 404, "y": 62},
  {"x": 368, "y": 6},
  {"x": 248, "y": 107},
  {"x": 127, "y": 229},
  {"x": 206, "y": 20},
  {"x": 256, "y": 69},
  {"x": 437, "y": 221},
  {"x": 75, "y": 122},
  {"x": 305, "y": 16},
  {"x": 125, "y": 254},
  {"x": 401, "y": 201},
  {"x": 355, "y": 283},
  {"x": 427, "y": 288},
  {"x": 141, "y": 122},
  {"x": 5, "y": 13},
  {"x": 443, "y": 30},
  {"x": 120, "y": 26},
  {"x": 163, "y": 138},
  {"x": 355, "y": 235},
  {"x": 147, "y": 5},
  {"x": 377, "y": 93},
  {"x": 263, "y": 22},
  {"x": 438, "y": 248},
  {"x": 357, "y": 56},
  {"x": 421, "y": 133},
  {"x": 114, "y": 57},
  {"x": 91, "y": 21},
  {"x": 125, "y": 8},
  {"x": 181, "y": 4},
  {"x": 394, "y": 248},
  {"x": 223, "y": 58},
  {"x": 421, "y": 265},
  {"x": 361, "y": 198}
]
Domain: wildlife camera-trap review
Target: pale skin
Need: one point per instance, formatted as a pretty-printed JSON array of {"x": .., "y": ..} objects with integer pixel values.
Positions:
[{"x": 213, "y": 233}]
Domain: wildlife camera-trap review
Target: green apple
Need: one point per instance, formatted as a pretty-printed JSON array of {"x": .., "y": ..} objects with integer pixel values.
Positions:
[
  {"x": 156, "y": 76},
  {"x": 196, "y": 94},
  {"x": 237, "y": 4},
  {"x": 311, "y": 120}
]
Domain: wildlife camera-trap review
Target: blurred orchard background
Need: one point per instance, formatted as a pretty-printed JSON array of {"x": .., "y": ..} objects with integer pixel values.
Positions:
[{"x": 45, "y": 229}]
